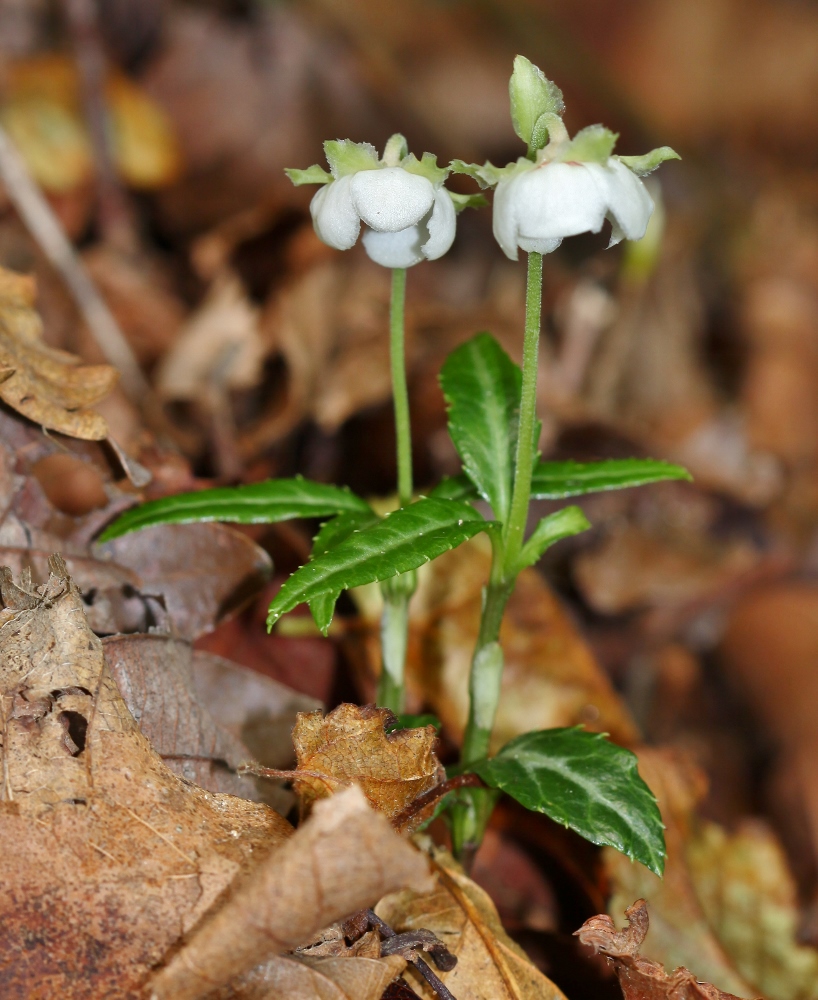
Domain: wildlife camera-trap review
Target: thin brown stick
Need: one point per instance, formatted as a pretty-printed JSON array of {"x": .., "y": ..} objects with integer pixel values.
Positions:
[
  {"x": 427, "y": 798},
  {"x": 44, "y": 226}
]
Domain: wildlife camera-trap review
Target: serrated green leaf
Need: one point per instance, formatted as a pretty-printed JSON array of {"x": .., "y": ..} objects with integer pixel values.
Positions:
[
  {"x": 557, "y": 480},
  {"x": 257, "y": 503},
  {"x": 455, "y": 488},
  {"x": 463, "y": 201},
  {"x": 322, "y": 608},
  {"x": 347, "y": 157},
  {"x": 561, "y": 524},
  {"x": 312, "y": 175},
  {"x": 585, "y": 782},
  {"x": 413, "y": 722},
  {"x": 426, "y": 167},
  {"x": 593, "y": 144},
  {"x": 402, "y": 541},
  {"x": 647, "y": 163},
  {"x": 532, "y": 96},
  {"x": 482, "y": 387}
]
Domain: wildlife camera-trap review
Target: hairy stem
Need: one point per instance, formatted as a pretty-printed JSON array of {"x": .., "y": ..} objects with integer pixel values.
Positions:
[{"x": 400, "y": 393}]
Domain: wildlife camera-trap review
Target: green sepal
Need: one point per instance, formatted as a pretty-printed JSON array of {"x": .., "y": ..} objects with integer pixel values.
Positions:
[
  {"x": 426, "y": 167},
  {"x": 561, "y": 524},
  {"x": 400, "y": 542},
  {"x": 585, "y": 782},
  {"x": 488, "y": 175},
  {"x": 593, "y": 144},
  {"x": 463, "y": 201},
  {"x": 347, "y": 157},
  {"x": 256, "y": 503},
  {"x": 646, "y": 164},
  {"x": 532, "y": 96},
  {"x": 312, "y": 175}
]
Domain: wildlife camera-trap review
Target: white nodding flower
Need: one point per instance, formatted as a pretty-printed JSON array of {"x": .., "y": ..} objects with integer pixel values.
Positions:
[
  {"x": 408, "y": 214},
  {"x": 563, "y": 186}
]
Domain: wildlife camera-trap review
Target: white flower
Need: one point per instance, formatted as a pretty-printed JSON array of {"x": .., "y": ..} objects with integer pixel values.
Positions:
[
  {"x": 408, "y": 214},
  {"x": 534, "y": 209}
]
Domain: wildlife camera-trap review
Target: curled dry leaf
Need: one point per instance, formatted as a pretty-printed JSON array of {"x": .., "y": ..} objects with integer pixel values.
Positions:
[
  {"x": 350, "y": 745},
  {"x": 550, "y": 678},
  {"x": 640, "y": 978},
  {"x": 680, "y": 932},
  {"x": 341, "y": 860},
  {"x": 300, "y": 978},
  {"x": 48, "y": 386},
  {"x": 490, "y": 966},
  {"x": 108, "y": 856}
]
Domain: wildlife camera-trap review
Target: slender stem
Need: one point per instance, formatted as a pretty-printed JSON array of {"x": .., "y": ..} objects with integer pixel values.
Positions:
[
  {"x": 518, "y": 514},
  {"x": 398, "y": 591},
  {"x": 399, "y": 390}
]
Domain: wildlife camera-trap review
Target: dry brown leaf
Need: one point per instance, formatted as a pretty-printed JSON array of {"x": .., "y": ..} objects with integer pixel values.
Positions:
[
  {"x": 204, "y": 572},
  {"x": 154, "y": 674},
  {"x": 299, "y": 978},
  {"x": 680, "y": 932},
  {"x": 550, "y": 678},
  {"x": 350, "y": 745},
  {"x": 48, "y": 386},
  {"x": 108, "y": 856},
  {"x": 490, "y": 966},
  {"x": 640, "y": 978},
  {"x": 341, "y": 860}
]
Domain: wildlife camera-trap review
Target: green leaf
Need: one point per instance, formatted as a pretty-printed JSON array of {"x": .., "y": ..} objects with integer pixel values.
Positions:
[
  {"x": 312, "y": 175},
  {"x": 402, "y": 541},
  {"x": 462, "y": 201},
  {"x": 347, "y": 157},
  {"x": 593, "y": 144},
  {"x": 322, "y": 608},
  {"x": 647, "y": 163},
  {"x": 482, "y": 387},
  {"x": 532, "y": 96},
  {"x": 257, "y": 503},
  {"x": 561, "y": 524},
  {"x": 557, "y": 480},
  {"x": 586, "y": 783},
  {"x": 413, "y": 722},
  {"x": 454, "y": 488}
]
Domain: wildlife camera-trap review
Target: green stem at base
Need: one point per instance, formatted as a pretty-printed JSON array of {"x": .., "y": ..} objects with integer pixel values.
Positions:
[
  {"x": 470, "y": 816},
  {"x": 397, "y": 592}
]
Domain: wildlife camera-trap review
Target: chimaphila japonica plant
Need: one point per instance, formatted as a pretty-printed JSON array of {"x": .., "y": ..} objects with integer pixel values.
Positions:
[{"x": 560, "y": 188}]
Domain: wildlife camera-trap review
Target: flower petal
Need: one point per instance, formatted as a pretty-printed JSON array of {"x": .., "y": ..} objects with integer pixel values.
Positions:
[
  {"x": 391, "y": 199},
  {"x": 559, "y": 199},
  {"x": 442, "y": 225},
  {"x": 503, "y": 219},
  {"x": 629, "y": 204},
  {"x": 333, "y": 215},
  {"x": 530, "y": 245},
  {"x": 401, "y": 249}
]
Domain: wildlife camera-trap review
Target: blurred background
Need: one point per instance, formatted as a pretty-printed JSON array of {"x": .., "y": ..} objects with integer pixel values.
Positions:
[{"x": 688, "y": 617}]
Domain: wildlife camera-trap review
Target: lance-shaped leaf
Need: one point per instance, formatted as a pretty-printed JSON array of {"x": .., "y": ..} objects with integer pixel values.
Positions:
[
  {"x": 556, "y": 480},
  {"x": 586, "y": 783},
  {"x": 561, "y": 524},
  {"x": 256, "y": 503},
  {"x": 403, "y": 540},
  {"x": 454, "y": 488},
  {"x": 322, "y": 608},
  {"x": 482, "y": 387}
]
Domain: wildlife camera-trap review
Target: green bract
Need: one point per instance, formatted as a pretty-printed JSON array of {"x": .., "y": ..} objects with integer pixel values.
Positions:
[{"x": 536, "y": 103}]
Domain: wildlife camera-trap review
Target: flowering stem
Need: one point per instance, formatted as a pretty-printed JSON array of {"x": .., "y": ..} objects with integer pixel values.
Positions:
[
  {"x": 398, "y": 591},
  {"x": 470, "y": 817}
]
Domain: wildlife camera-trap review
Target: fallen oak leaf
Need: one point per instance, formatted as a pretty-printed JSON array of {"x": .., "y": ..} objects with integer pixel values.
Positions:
[
  {"x": 48, "y": 386},
  {"x": 343, "y": 858},
  {"x": 640, "y": 978},
  {"x": 490, "y": 966},
  {"x": 108, "y": 856},
  {"x": 350, "y": 745}
]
